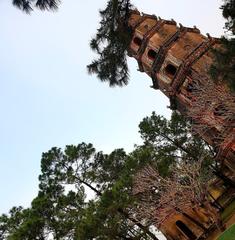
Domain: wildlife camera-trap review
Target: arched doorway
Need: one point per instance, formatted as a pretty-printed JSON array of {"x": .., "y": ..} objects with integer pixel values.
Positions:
[{"x": 184, "y": 228}]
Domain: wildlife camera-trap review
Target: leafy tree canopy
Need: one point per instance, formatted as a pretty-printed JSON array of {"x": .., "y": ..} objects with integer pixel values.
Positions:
[{"x": 62, "y": 209}]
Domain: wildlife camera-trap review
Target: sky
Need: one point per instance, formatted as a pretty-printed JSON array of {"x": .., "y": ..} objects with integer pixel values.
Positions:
[{"x": 47, "y": 98}]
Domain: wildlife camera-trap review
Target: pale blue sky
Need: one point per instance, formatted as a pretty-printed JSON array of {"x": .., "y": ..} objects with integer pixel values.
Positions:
[{"x": 47, "y": 99}]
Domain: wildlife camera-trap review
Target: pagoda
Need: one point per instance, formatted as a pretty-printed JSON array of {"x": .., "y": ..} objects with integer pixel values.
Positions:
[{"x": 178, "y": 59}]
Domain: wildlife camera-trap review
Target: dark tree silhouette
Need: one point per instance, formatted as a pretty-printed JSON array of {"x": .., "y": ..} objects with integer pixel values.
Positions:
[
  {"x": 224, "y": 67},
  {"x": 228, "y": 9},
  {"x": 111, "y": 43},
  {"x": 111, "y": 213},
  {"x": 28, "y": 5}
]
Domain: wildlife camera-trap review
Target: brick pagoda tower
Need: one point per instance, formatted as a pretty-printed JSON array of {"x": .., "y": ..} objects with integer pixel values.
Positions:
[{"x": 178, "y": 59}]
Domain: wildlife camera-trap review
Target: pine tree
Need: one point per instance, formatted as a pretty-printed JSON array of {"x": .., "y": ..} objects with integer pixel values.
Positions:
[
  {"x": 61, "y": 208},
  {"x": 173, "y": 142},
  {"x": 224, "y": 67},
  {"x": 111, "y": 43}
]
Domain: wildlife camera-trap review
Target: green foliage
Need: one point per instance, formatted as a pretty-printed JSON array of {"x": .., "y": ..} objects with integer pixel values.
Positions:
[
  {"x": 61, "y": 208},
  {"x": 111, "y": 43},
  {"x": 172, "y": 142},
  {"x": 106, "y": 168},
  {"x": 70, "y": 167},
  {"x": 228, "y": 234},
  {"x": 224, "y": 67},
  {"x": 100, "y": 221},
  {"x": 48, "y": 216},
  {"x": 28, "y": 5},
  {"x": 20, "y": 224}
]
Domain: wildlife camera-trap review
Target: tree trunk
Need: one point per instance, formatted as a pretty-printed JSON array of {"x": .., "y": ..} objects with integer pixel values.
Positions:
[{"x": 120, "y": 210}]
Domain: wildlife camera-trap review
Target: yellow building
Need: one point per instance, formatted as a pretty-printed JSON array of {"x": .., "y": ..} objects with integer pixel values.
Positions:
[{"x": 203, "y": 223}]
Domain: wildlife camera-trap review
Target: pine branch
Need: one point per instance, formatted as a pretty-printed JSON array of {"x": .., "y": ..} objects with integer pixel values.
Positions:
[
  {"x": 28, "y": 5},
  {"x": 111, "y": 43}
]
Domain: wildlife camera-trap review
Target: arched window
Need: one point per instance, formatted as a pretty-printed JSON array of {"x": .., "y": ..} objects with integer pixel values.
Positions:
[
  {"x": 137, "y": 41},
  {"x": 152, "y": 54},
  {"x": 184, "y": 228},
  {"x": 170, "y": 70},
  {"x": 190, "y": 87},
  {"x": 146, "y": 26}
]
